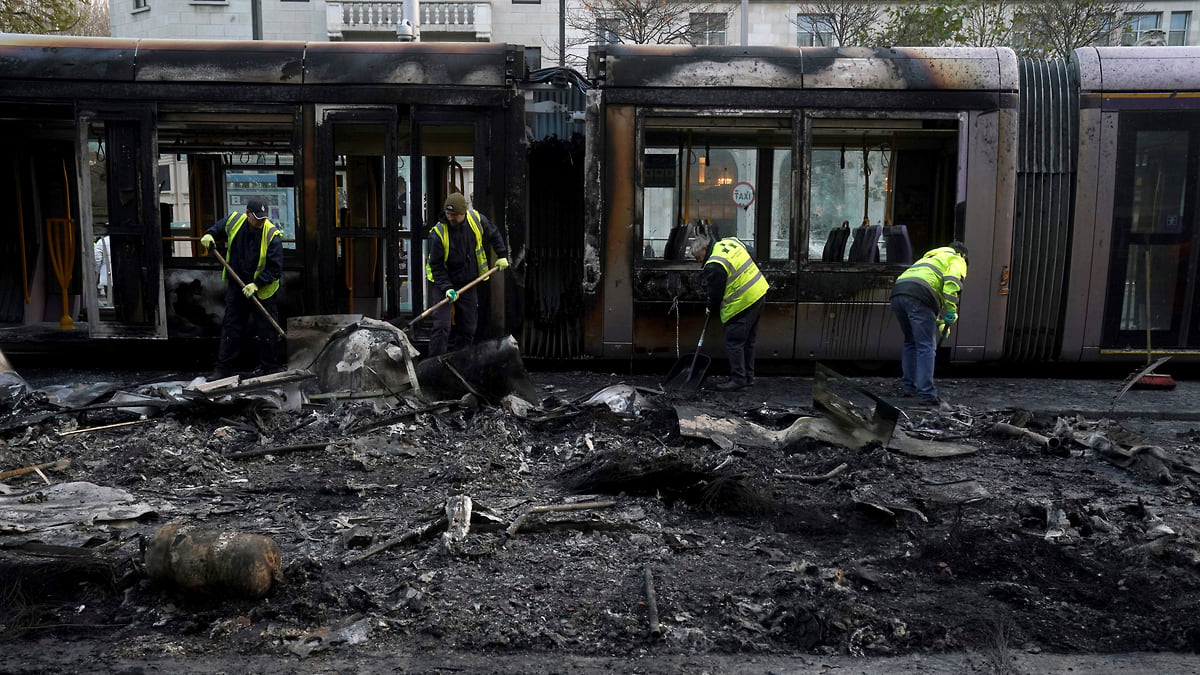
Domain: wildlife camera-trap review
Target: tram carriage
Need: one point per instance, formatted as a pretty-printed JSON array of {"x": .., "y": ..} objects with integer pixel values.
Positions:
[
  {"x": 148, "y": 142},
  {"x": 1073, "y": 185}
]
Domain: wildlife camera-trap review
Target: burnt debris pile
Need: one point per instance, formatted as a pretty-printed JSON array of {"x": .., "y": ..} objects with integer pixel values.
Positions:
[{"x": 578, "y": 514}]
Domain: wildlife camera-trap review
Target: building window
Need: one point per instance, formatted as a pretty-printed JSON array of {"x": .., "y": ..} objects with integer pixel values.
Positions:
[
  {"x": 140, "y": 4},
  {"x": 812, "y": 30},
  {"x": 1143, "y": 29},
  {"x": 1178, "y": 36},
  {"x": 609, "y": 31},
  {"x": 533, "y": 58},
  {"x": 707, "y": 29},
  {"x": 527, "y": 2}
]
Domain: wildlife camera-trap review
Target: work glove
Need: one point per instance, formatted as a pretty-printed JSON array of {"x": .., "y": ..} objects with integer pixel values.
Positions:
[
  {"x": 943, "y": 330},
  {"x": 502, "y": 263},
  {"x": 250, "y": 289},
  {"x": 207, "y": 241},
  {"x": 452, "y": 294},
  {"x": 949, "y": 318}
]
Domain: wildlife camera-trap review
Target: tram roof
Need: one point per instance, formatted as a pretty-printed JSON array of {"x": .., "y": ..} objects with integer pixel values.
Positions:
[
  {"x": 39, "y": 57},
  {"x": 1146, "y": 69},
  {"x": 883, "y": 68}
]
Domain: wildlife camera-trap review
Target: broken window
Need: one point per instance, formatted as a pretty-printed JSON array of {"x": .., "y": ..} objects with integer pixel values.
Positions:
[
  {"x": 728, "y": 176},
  {"x": 209, "y": 169},
  {"x": 880, "y": 190}
]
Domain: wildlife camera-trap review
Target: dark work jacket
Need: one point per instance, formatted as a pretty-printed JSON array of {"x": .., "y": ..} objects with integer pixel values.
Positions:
[
  {"x": 460, "y": 266},
  {"x": 243, "y": 257},
  {"x": 713, "y": 277}
]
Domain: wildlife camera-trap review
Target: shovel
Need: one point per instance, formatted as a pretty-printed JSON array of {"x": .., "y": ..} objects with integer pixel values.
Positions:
[
  {"x": 687, "y": 377},
  {"x": 464, "y": 289},
  {"x": 253, "y": 298}
]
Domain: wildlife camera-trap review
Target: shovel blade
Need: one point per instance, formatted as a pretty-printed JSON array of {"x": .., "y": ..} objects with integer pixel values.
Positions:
[{"x": 685, "y": 376}]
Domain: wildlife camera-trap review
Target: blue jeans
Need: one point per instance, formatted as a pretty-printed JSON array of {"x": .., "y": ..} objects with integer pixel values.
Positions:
[{"x": 919, "y": 324}]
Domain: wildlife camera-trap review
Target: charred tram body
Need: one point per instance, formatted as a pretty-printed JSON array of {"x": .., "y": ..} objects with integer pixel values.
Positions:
[
  {"x": 1070, "y": 182},
  {"x": 1074, "y": 185},
  {"x": 139, "y": 145}
]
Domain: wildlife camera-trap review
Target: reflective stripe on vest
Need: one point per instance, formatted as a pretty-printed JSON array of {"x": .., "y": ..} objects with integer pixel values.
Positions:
[
  {"x": 934, "y": 270},
  {"x": 269, "y": 232},
  {"x": 744, "y": 282},
  {"x": 480, "y": 255}
]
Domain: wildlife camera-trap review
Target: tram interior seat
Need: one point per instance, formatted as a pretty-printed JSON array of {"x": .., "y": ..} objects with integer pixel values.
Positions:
[
  {"x": 679, "y": 241},
  {"x": 835, "y": 244},
  {"x": 899, "y": 246},
  {"x": 676, "y": 244},
  {"x": 865, "y": 247}
]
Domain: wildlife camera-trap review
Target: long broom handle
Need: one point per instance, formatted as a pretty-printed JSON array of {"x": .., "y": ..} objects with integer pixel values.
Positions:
[
  {"x": 1148, "y": 351},
  {"x": 692, "y": 370},
  {"x": 468, "y": 287},
  {"x": 253, "y": 297}
]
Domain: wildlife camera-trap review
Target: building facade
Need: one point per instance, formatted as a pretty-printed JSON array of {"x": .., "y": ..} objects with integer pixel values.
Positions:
[{"x": 536, "y": 24}]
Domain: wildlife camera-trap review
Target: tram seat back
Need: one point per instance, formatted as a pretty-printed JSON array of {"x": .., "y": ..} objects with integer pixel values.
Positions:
[
  {"x": 899, "y": 246},
  {"x": 835, "y": 244},
  {"x": 866, "y": 244}
]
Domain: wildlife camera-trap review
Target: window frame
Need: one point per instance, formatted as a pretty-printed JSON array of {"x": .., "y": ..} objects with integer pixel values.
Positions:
[
  {"x": 787, "y": 122},
  {"x": 608, "y": 30},
  {"x": 1181, "y": 33},
  {"x": 814, "y": 119},
  {"x": 815, "y": 34},
  {"x": 1132, "y": 35},
  {"x": 708, "y": 31}
]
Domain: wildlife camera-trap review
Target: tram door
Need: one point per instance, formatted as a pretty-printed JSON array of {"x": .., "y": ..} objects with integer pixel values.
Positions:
[
  {"x": 358, "y": 187},
  {"x": 119, "y": 231},
  {"x": 447, "y": 164},
  {"x": 1154, "y": 260}
]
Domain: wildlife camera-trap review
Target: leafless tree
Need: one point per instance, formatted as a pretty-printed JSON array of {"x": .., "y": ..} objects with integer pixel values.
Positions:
[
  {"x": 1055, "y": 28},
  {"x": 643, "y": 22},
  {"x": 40, "y": 16},
  {"x": 988, "y": 23},
  {"x": 94, "y": 20},
  {"x": 849, "y": 22}
]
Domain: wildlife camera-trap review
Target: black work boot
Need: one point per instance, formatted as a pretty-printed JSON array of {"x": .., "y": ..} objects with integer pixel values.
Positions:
[{"x": 731, "y": 385}]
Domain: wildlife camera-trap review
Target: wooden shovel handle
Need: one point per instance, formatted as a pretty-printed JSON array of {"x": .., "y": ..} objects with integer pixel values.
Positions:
[
  {"x": 464, "y": 289},
  {"x": 253, "y": 297}
]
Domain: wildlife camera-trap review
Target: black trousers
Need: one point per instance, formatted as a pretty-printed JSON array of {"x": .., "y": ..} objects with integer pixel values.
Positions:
[
  {"x": 454, "y": 329},
  {"x": 741, "y": 334},
  {"x": 240, "y": 311}
]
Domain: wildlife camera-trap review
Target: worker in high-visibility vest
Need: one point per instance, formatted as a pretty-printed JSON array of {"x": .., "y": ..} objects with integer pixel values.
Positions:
[
  {"x": 456, "y": 258},
  {"x": 925, "y": 302},
  {"x": 256, "y": 255},
  {"x": 736, "y": 288}
]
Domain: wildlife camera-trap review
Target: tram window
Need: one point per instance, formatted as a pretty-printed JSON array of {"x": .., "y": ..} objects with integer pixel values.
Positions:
[
  {"x": 727, "y": 180},
  {"x": 840, "y": 191},
  {"x": 879, "y": 189},
  {"x": 209, "y": 166}
]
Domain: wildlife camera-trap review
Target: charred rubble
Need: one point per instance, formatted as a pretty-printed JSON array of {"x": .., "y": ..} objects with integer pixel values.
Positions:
[{"x": 579, "y": 513}]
